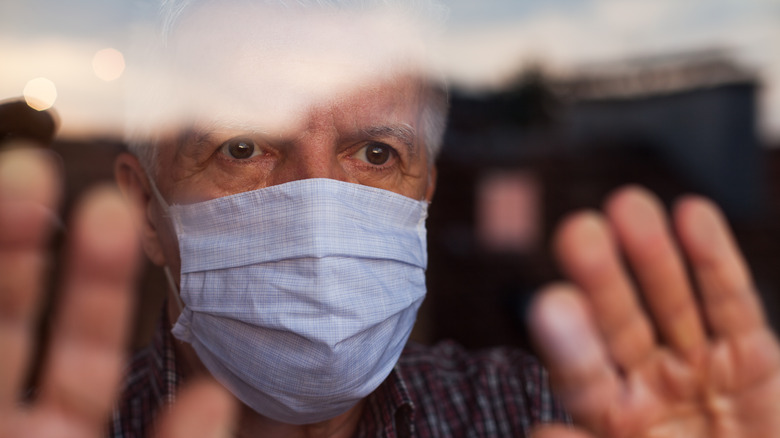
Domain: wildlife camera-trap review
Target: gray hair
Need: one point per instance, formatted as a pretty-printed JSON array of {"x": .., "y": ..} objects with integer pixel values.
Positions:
[{"x": 143, "y": 142}]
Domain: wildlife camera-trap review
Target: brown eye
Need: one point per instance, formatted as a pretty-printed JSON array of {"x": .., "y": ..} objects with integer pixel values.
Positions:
[
  {"x": 375, "y": 153},
  {"x": 240, "y": 148},
  {"x": 378, "y": 154}
]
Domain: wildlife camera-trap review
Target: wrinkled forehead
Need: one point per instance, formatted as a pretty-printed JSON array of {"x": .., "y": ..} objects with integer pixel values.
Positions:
[{"x": 251, "y": 61}]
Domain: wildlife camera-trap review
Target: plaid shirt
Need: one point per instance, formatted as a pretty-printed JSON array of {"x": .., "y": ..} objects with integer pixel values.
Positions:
[{"x": 439, "y": 391}]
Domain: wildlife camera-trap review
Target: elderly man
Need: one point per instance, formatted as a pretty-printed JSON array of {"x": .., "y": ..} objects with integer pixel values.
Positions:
[
  {"x": 282, "y": 181},
  {"x": 288, "y": 199}
]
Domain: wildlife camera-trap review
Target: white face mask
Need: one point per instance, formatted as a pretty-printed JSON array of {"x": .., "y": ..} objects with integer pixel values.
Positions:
[{"x": 300, "y": 297}]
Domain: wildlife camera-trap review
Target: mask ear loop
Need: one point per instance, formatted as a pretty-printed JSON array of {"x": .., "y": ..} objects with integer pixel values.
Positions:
[
  {"x": 166, "y": 269},
  {"x": 163, "y": 203},
  {"x": 174, "y": 289}
]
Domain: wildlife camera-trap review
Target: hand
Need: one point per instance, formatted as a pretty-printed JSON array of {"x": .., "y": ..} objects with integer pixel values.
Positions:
[
  {"x": 83, "y": 370},
  {"x": 683, "y": 368}
]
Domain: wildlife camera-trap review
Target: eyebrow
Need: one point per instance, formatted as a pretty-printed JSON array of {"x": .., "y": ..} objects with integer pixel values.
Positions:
[
  {"x": 202, "y": 136},
  {"x": 192, "y": 137},
  {"x": 404, "y": 133},
  {"x": 198, "y": 137}
]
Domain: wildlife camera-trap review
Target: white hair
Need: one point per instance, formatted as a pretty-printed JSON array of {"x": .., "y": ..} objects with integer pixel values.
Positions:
[{"x": 143, "y": 140}]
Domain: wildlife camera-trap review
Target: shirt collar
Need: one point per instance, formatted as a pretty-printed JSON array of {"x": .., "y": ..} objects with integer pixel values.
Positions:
[
  {"x": 389, "y": 409},
  {"x": 165, "y": 372}
]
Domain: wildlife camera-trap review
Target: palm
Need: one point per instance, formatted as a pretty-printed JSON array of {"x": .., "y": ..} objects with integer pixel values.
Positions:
[
  {"x": 718, "y": 397},
  {"x": 672, "y": 368},
  {"x": 83, "y": 370}
]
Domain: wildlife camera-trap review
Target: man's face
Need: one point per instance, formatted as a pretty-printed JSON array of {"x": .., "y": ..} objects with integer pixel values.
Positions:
[{"x": 276, "y": 96}]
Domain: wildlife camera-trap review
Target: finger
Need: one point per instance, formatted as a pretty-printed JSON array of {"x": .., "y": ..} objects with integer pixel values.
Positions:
[
  {"x": 558, "y": 431},
  {"x": 84, "y": 368},
  {"x": 587, "y": 252},
  {"x": 729, "y": 299},
  {"x": 203, "y": 409},
  {"x": 640, "y": 224},
  {"x": 568, "y": 343},
  {"x": 28, "y": 196}
]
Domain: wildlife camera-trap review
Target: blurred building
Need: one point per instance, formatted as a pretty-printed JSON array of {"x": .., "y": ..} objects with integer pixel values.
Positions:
[
  {"x": 696, "y": 112},
  {"x": 517, "y": 161}
]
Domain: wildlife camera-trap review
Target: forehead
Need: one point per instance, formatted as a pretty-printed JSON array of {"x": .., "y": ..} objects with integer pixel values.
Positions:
[{"x": 385, "y": 108}]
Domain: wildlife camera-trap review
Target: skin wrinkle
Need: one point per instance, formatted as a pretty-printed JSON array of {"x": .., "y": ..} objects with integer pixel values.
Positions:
[
  {"x": 404, "y": 133},
  {"x": 377, "y": 106},
  {"x": 192, "y": 142},
  {"x": 627, "y": 333}
]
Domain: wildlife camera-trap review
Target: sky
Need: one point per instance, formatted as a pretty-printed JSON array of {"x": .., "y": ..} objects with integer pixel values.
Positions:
[{"x": 484, "y": 43}]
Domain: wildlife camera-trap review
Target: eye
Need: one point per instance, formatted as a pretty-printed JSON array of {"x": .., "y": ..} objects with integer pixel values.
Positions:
[
  {"x": 240, "y": 148},
  {"x": 375, "y": 153}
]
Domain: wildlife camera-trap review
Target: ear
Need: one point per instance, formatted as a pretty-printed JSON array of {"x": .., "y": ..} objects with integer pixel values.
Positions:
[
  {"x": 134, "y": 184},
  {"x": 431, "y": 189}
]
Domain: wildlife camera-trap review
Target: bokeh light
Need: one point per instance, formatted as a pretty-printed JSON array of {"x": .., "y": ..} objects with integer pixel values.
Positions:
[
  {"x": 40, "y": 93},
  {"x": 108, "y": 64}
]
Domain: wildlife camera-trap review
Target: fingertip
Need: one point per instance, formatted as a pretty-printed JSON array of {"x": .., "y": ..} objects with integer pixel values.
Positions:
[
  {"x": 642, "y": 227},
  {"x": 29, "y": 195},
  {"x": 634, "y": 208},
  {"x": 572, "y": 225},
  {"x": 104, "y": 231},
  {"x": 30, "y": 174},
  {"x": 550, "y": 297},
  {"x": 582, "y": 239},
  {"x": 624, "y": 196},
  {"x": 700, "y": 226},
  {"x": 692, "y": 206}
]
